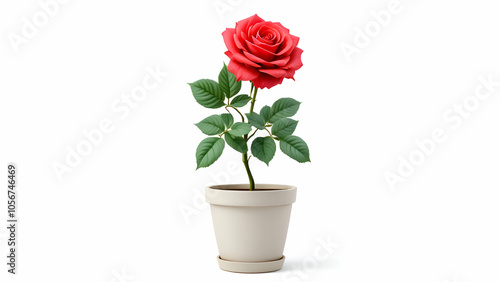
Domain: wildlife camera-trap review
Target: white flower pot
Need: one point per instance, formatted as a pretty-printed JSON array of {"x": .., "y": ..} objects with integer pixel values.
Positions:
[{"x": 251, "y": 226}]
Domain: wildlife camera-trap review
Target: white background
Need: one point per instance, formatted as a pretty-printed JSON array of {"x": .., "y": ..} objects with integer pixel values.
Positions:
[{"x": 119, "y": 211}]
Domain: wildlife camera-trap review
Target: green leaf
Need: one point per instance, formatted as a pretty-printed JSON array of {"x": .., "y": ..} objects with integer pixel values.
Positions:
[
  {"x": 256, "y": 120},
  {"x": 237, "y": 143},
  {"x": 282, "y": 108},
  {"x": 265, "y": 112},
  {"x": 207, "y": 93},
  {"x": 240, "y": 100},
  {"x": 228, "y": 83},
  {"x": 212, "y": 125},
  {"x": 284, "y": 127},
  {"x": 209, "y": 150},
  {"x": 263, "y": 148},
  {"x": 240, "y": 129},
  {"x": 228, "y": 120},
  {"x": 295, "y": 148}
]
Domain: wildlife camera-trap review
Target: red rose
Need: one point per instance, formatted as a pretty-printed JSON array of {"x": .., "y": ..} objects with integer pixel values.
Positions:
[{"x": 262, "y": 52}]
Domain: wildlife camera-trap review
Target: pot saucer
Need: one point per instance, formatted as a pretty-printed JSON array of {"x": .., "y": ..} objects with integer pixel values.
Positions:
[{"x": 251, "y": 267}]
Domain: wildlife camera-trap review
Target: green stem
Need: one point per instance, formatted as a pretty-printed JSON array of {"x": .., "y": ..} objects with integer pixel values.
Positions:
[
  {"x": 247, "y": 167},
  {"x": 252, "y": 103},
  {"x": 241, "y": 115},
  {"x": 224, "y": 132},
  {"x": 271, "y": 134},
  {"x": 251, "y": 135},
  {"x": 245, "y": 155}
]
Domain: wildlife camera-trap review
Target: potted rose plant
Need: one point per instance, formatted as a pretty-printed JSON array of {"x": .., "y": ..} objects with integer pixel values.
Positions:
[{"x": 251, "y": 220}]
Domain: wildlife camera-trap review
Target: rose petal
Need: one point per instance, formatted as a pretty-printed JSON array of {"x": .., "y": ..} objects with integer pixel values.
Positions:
[
  {"x": 288, "y": 45},
  {"x": 268, "y": 34},
  {"x": 243, "y": 25},
  {"x": 260, "y": 52},
  {"x": 228, "y": 36},
  {"x": 295, "y": 62},
  {"x": 260, "y": 40},
  {"x": 281, "y": 26},
  {"x": 266, "y": 81},
  {"x": 237, "y": 42},
  {"x": 274, "y": 72},
  {"x": 241, "y": 59},
  {"x": 241, "y": 71},
  {"x": 253, "y": 30},
  {"x": 243, "y": 38},
  {"x": 282, "y": 31},
  {"x": 279, "y": 72},
  {"x": 259, "y": 29},
  {"x": 271, "y": 48},
  {"x": 234, "y": 51},
  {"x": 280, "y": 62}
]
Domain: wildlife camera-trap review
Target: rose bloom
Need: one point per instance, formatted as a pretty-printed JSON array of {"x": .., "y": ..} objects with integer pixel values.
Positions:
[{"x": 262, "y": 52}]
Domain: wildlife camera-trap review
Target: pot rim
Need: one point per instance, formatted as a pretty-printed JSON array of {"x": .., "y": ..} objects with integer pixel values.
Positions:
[{"x": 239, "y": 195}]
